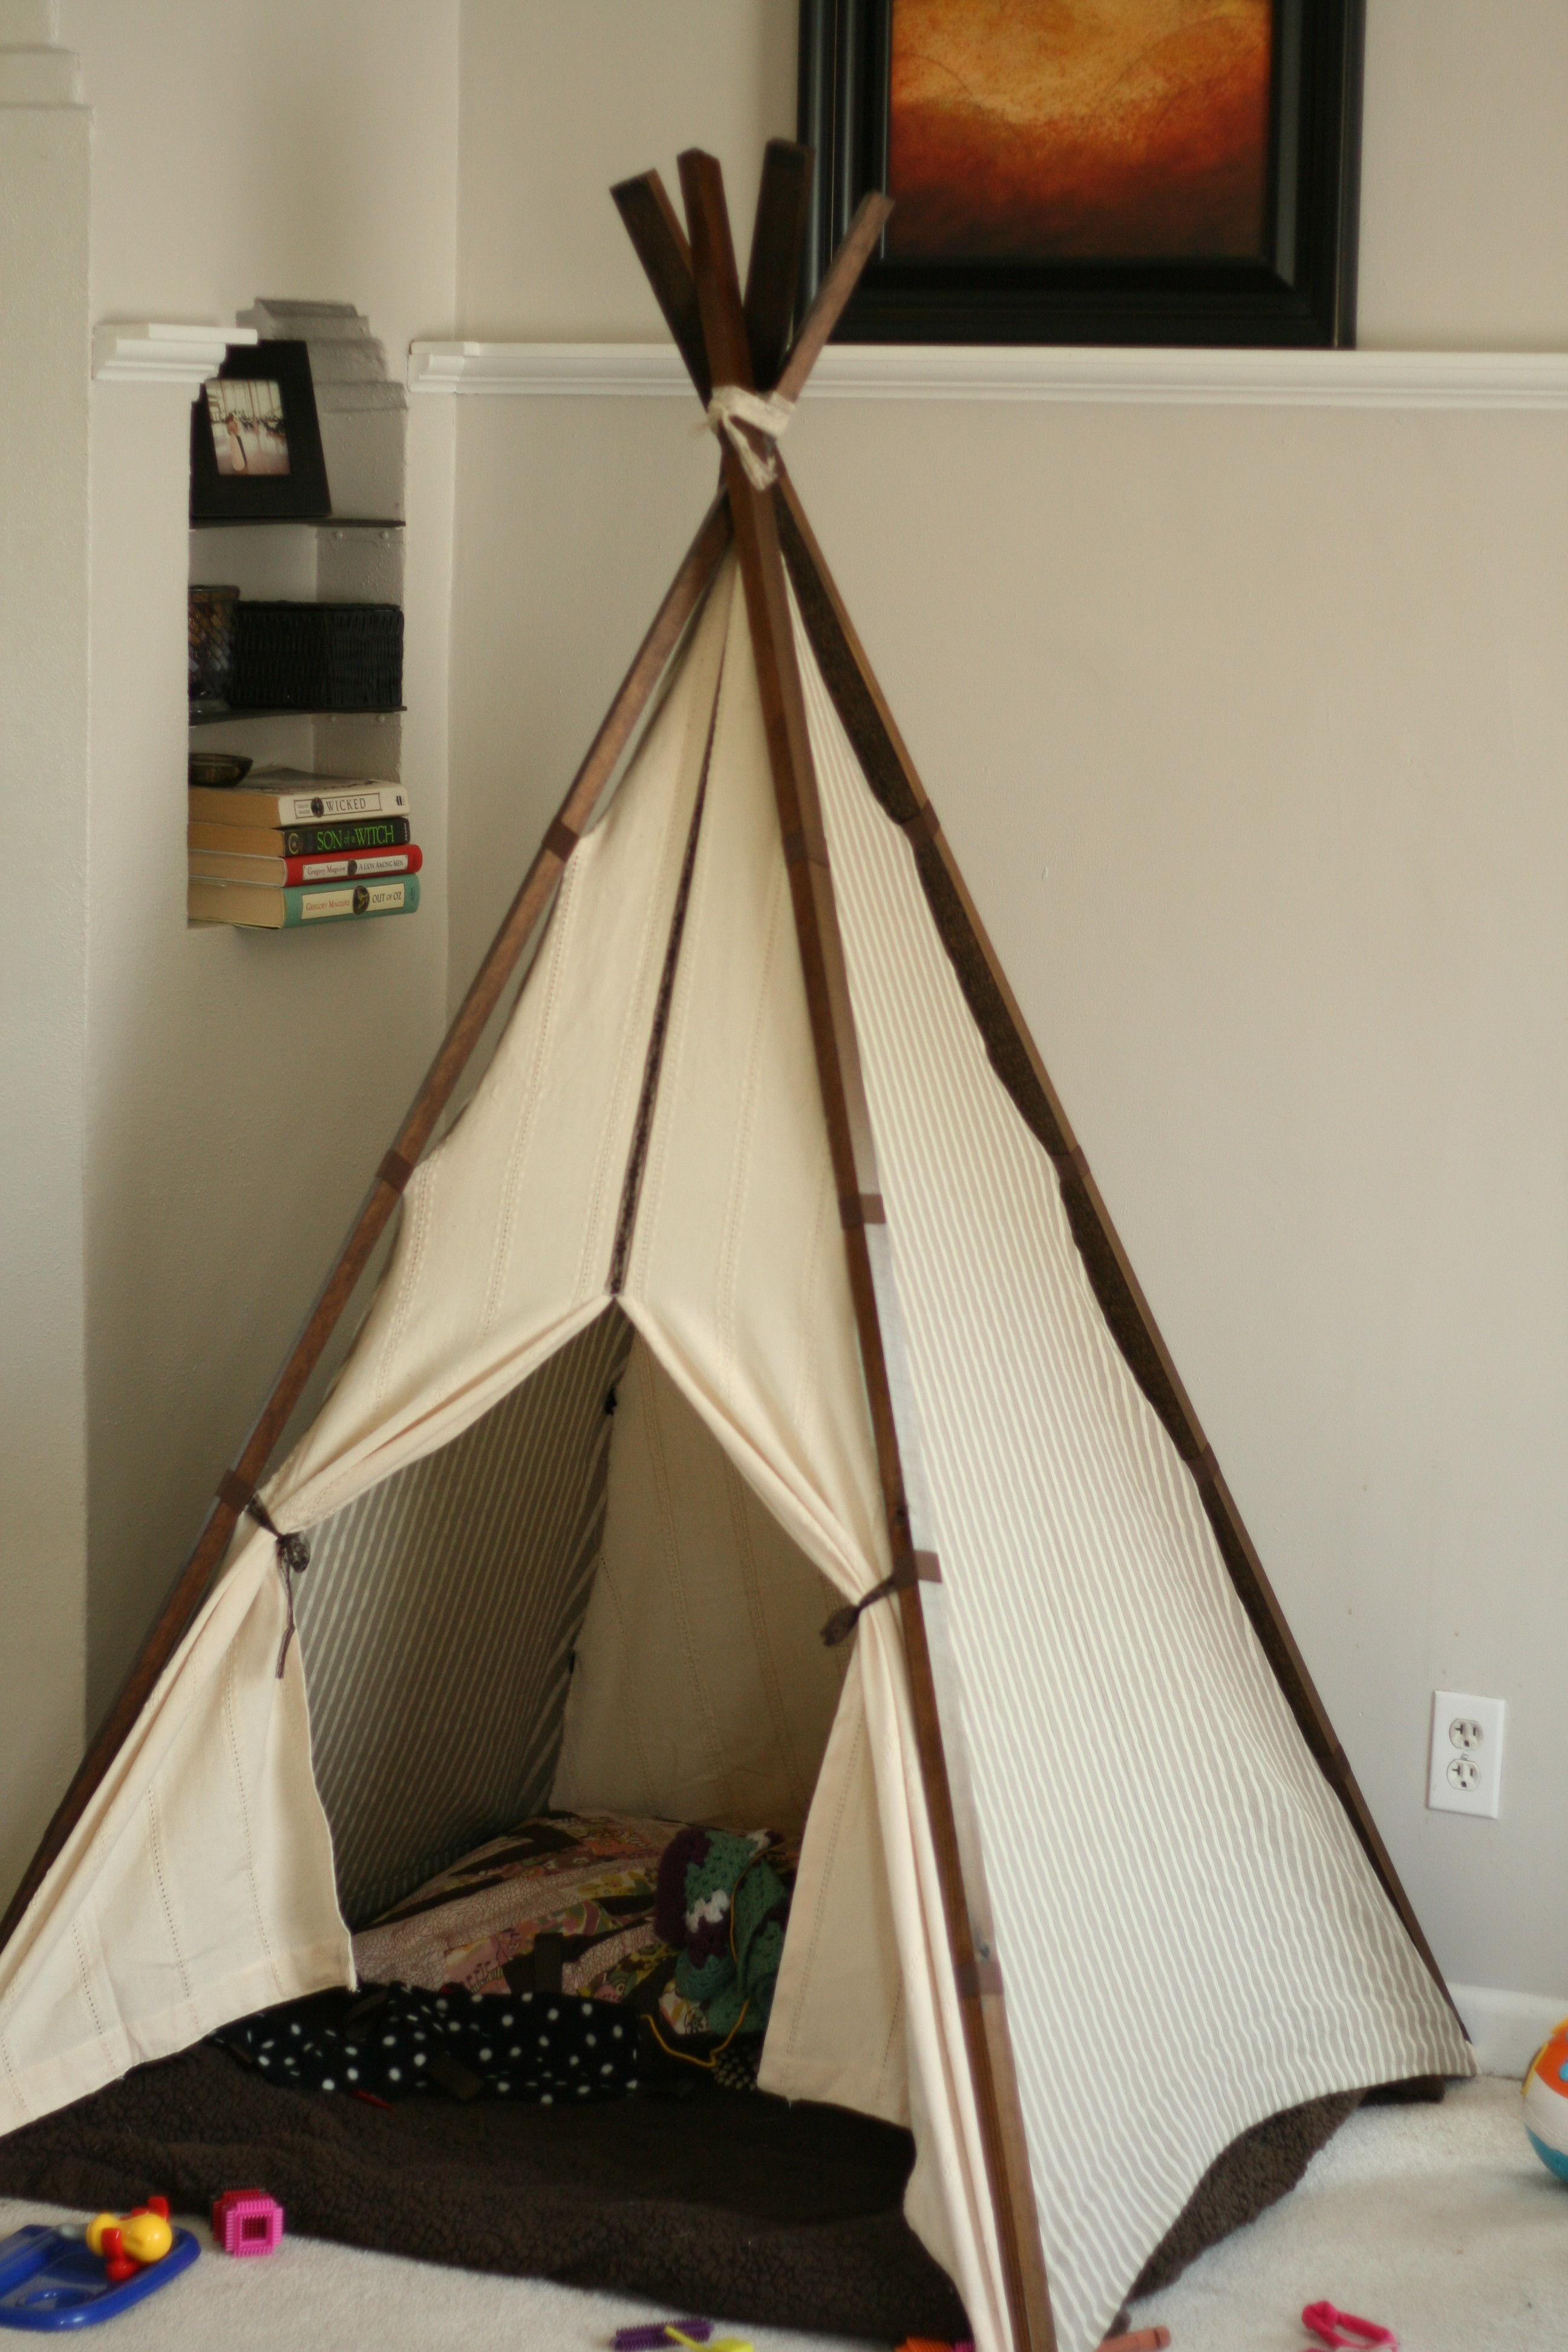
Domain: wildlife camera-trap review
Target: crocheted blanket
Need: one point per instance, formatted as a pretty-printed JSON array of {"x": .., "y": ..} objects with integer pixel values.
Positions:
[{"x": 723, "y": 1904}]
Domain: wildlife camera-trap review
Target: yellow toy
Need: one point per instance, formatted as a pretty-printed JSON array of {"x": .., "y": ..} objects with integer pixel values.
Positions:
[{"x": 131, "y": 2241}]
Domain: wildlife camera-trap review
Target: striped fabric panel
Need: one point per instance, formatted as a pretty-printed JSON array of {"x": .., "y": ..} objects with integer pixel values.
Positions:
[
  {"x": 436, "y": 1623},
  {"x": 1191, "y": 1936}
]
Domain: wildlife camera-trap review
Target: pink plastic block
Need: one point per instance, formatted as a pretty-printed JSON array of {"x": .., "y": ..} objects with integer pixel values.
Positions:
[{"x": 247, "y": 2221}]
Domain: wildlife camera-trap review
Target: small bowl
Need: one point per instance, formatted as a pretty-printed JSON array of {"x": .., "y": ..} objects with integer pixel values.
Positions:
[{"x": 220, "y": 767}]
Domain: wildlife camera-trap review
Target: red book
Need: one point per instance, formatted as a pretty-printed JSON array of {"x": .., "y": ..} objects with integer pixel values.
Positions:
[{"x": 224, "y": 866}]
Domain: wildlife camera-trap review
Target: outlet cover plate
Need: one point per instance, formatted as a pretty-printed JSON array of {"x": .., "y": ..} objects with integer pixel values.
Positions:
[{"x": 1465, "y": 1775}]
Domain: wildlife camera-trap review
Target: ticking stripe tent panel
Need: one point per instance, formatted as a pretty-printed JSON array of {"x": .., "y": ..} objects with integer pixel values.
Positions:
[
  {"x": 1198, "y": 1894},
  {"x": 449, "y": 1596}
]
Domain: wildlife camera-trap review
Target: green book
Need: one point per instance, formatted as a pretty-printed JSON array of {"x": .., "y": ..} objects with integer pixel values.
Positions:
[{"x": 268, "y": 908}]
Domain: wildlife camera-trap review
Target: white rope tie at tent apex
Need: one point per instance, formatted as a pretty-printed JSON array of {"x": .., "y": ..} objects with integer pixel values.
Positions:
[{"x": 733, "y": 407}]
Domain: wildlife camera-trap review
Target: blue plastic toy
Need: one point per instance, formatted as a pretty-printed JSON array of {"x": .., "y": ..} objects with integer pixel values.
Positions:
[{"x": 49, "y": 2279}]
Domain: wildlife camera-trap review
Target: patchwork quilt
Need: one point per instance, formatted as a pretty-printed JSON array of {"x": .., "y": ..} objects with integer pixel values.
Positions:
[
  {"x": 582, "y": 1886},
  {"x": 602, "y": 1906}
]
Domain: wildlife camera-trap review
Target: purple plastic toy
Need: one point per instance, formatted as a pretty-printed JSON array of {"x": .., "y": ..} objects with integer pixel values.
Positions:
[{"x": 655, "y": 2337}]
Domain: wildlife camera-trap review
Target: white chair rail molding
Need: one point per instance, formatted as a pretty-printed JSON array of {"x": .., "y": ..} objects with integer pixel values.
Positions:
[
  {"x": 145, "y": 350},
  {"x": 1309, "y": 379}
]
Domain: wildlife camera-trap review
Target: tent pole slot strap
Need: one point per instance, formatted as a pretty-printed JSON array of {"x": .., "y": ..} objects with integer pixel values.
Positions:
[
  {"x": 915, "y": 1567},
  {"x": 924, "y": 825},
  {"x": 394, "y": 1172},
  {"x": 293, "y": 1551},
  {"x": 805, "y": 847}
]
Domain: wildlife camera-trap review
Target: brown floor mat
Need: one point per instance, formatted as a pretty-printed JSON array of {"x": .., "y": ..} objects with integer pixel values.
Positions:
[{"x": 732, "y": 2203}]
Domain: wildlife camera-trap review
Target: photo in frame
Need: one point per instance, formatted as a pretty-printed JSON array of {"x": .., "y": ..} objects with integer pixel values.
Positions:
[
  {"x": 1090, "y": 171},
  {"x": 256, "y": 440}
]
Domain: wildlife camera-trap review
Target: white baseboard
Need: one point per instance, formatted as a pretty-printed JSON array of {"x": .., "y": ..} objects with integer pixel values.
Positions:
[{"x": 1506, "y": 2028}]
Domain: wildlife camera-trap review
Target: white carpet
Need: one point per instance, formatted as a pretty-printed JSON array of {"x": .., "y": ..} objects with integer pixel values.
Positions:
[{"x": 1438, "y": 2222}]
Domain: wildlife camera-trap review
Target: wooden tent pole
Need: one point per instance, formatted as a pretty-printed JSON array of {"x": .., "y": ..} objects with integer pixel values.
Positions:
[
  {"x": 517, "y": 929},
  {"x": 773, "y": 275},
  {"x": 876, "y": 1310},
  {"x": 884, "y": 756}
]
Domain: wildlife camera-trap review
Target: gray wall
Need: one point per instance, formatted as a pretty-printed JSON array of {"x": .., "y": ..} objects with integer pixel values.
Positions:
[
  {"x": 240, "y": 1088},
  {"x": 43, "y": 938}
]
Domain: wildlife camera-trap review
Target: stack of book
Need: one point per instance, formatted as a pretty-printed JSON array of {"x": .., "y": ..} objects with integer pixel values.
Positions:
[{"x": 287, "y": 849}]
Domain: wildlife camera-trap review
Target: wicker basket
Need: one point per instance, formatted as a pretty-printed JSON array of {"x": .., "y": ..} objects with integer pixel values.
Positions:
[
  {"x": 209, "y": 633},
  {"x": 290, "y": 657}
]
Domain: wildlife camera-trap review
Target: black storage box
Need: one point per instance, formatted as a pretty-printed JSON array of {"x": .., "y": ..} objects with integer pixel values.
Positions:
[{"x": 291, "y": 657}]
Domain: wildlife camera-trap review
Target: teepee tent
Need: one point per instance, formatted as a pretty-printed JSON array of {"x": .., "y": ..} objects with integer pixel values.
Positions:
[{"x": 761, "y": 1277}]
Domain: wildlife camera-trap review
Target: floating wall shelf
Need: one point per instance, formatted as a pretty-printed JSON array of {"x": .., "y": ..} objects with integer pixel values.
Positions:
[
  {"x": 298, "y": 522},
  {"x": 290, "y": 710}
]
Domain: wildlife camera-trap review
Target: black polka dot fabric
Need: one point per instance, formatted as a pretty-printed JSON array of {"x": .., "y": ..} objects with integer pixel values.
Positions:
[{"x": 396, "y": 2043}]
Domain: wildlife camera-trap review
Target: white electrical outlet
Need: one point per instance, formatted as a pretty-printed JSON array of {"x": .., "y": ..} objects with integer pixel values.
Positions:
[{"x": 1466, "y": 1774}]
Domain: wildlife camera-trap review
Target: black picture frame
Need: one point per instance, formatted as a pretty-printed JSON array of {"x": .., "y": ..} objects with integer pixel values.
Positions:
[
  {"x": 1303, "y": 295},
  {"x": 299, "y": 495}
]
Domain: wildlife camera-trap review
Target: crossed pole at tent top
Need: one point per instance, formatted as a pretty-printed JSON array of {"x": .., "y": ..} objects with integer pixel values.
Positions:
[{"x": 746, "y": 345}]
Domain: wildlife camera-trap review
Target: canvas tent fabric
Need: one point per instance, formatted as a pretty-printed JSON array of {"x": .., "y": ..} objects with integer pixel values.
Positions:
[
  {"x": 697, "y": 1591},
  {"x": 1156, "y": 1921}
]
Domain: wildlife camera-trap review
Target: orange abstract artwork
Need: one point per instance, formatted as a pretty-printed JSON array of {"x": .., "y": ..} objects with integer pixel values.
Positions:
[{"x": 1063, "y": 130}]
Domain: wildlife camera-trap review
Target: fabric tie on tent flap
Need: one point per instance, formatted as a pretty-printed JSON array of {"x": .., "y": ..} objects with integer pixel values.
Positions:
[
  {"x": 915, "y": 1567},
  {"x": 293, "y": 1551},
  {"x": 730, "y": 409}
]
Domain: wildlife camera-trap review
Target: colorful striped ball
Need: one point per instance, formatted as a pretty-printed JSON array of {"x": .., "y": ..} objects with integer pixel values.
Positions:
[{"x": 1545, "y": 2090}]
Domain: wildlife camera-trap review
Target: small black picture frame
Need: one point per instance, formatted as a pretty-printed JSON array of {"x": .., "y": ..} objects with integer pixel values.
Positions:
[
  {"x": 1300, "y": 291},
  {"x": 270, "y": 468}
]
